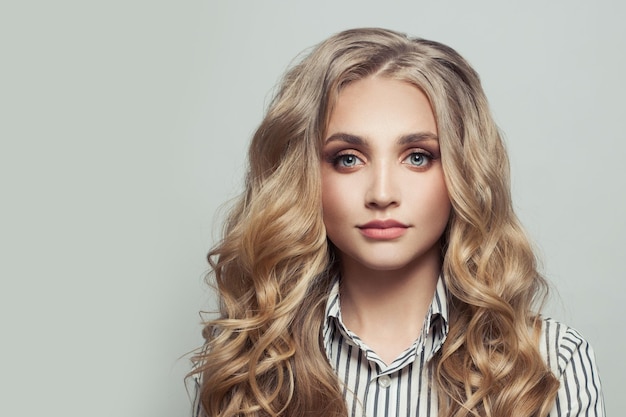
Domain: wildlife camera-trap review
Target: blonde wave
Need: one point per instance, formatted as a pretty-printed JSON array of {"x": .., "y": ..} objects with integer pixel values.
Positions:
[{"x": 264, "y": 355}]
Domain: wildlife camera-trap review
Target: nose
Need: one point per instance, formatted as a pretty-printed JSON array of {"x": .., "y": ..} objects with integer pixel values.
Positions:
[{"x": 383, "y": 188}]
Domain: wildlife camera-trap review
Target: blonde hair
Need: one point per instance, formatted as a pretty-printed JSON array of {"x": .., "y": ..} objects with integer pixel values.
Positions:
[{"x": 264, "y": 356}]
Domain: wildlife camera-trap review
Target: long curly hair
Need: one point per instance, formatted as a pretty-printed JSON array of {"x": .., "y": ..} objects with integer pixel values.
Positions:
[{"x": 264, "y": 356}]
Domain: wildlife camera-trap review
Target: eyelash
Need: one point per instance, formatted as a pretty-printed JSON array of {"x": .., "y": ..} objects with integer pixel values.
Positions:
[
  {"x": 337, "y": 159},
  {"x": 341, "y": 157},
  {"x": 425, "y": 155}
]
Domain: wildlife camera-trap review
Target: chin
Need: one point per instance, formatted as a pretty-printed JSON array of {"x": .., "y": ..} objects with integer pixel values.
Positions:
[{"x": 387, "y": 264}]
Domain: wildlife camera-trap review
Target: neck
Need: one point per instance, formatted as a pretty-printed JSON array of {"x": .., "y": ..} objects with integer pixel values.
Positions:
[{"x": 387, "y": 308}]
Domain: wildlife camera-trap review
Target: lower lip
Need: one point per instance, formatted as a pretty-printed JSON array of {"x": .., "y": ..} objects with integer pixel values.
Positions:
[{"x": 383, "y": 234}]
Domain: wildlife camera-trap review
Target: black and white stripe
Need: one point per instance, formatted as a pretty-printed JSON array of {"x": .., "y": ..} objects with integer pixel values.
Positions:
[
  {"x": 571, "y": 358},
  {"x": 406, "y": 386}
]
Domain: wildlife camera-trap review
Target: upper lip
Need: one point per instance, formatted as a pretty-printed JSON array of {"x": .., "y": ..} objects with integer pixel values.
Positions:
[{"x": 381, "y": 224}]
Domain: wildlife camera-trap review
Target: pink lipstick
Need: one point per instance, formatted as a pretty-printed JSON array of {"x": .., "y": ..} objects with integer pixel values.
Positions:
[{"x": 383, "y": 229}]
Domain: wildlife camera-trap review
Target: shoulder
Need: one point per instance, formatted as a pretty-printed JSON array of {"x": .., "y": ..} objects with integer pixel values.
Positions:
[
  {"x": 559, "y": 343},
  {"x": 572, "y": 360}
]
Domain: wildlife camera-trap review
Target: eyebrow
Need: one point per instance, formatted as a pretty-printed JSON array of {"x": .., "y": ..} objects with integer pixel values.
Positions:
[{"x": 404, "y": 140}]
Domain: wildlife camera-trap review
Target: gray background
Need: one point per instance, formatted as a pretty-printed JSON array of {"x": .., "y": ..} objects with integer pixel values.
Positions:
[{"x": 124, "y": 126}]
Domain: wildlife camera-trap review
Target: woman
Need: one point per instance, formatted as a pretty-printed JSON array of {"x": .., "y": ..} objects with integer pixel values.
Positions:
[{"x": 374, "y": 265}]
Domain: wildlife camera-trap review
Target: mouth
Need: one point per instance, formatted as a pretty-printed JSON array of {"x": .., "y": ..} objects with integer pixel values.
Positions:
[{"x": 383, "y": 229}]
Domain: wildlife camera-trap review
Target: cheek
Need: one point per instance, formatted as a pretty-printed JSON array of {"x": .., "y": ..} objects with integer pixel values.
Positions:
[
  {"x": 443, "y": 205},
  {"x": 331, "y": 200},
  {"x": 442, "y": 197},
  {"x": 439, "y": 206},
  {"x": 339, "y": 197}
]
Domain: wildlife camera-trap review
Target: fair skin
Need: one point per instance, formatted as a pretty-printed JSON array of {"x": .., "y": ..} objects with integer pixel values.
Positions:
[{"x": 385, "y": 207}]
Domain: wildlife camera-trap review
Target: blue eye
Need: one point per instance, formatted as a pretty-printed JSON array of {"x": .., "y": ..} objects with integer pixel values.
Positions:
[
  {"x": 418, "y": 159},
  {"x": 347, "y": 161}
]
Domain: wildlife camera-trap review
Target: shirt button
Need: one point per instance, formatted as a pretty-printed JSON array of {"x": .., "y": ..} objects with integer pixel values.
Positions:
[{"x": 384, "y": 381}]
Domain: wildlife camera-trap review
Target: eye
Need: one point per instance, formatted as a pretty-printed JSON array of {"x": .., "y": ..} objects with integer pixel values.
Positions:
[
  {"x": 347, "y": 161},
  {"x": 418, "y": 159}
]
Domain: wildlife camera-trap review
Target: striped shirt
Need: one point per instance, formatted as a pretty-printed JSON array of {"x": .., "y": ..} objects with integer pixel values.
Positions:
[{"x": 406, "y": 386}]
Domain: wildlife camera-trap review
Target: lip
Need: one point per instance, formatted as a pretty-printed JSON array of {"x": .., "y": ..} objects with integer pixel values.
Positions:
[{"x": 383, "y": 229}]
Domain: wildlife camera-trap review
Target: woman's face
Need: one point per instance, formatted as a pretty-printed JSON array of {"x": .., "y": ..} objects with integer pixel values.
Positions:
[{"x": 384, "y": 198}]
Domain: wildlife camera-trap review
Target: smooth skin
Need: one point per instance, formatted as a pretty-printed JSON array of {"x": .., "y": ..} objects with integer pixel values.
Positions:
[{"x": 386, "y": 206}]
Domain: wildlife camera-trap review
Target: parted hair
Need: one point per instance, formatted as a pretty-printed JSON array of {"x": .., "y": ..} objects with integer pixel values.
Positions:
[{"x": 264, "y": 355}]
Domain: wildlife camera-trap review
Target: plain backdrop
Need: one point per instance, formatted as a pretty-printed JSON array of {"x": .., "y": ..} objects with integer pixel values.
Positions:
[{"x": 124, "y": 127}]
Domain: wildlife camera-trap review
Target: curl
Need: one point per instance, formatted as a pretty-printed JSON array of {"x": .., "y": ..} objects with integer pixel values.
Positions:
[{"x": 264, "y": 356}]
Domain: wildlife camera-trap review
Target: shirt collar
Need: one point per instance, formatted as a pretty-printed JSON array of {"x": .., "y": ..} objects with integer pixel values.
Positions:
[{"x": 436, "y": 320}]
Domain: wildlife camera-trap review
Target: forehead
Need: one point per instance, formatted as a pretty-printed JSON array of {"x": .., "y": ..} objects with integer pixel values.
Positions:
[{"x": 381, "y": 106}]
